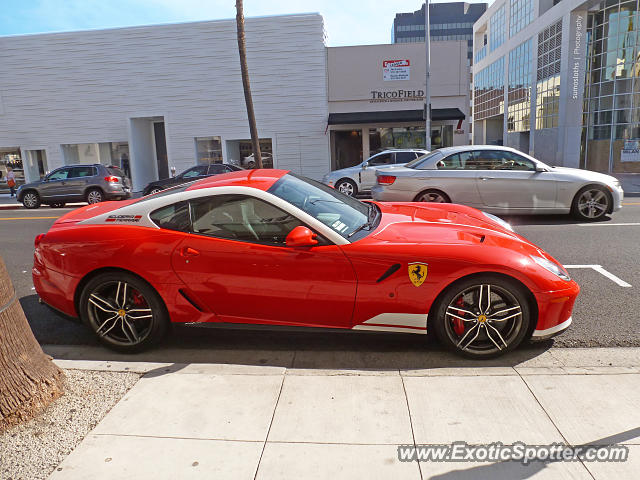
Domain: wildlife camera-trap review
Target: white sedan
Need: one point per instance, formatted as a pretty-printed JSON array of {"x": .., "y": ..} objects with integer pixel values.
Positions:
[{"x": 500, "y": 180}]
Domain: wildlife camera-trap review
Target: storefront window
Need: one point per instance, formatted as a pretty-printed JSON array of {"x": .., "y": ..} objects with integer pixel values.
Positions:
[
  {"x": 395, "y": 137},
  {"x": 10, "y": 158},
  {"x": 106, "y": 153},
  {"x": 240, "y": 153},
  {"x": 209, "y": 150}
]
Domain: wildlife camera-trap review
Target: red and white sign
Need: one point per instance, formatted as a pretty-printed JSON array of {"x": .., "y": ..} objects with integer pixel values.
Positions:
[{"x": 396, "y": 70}]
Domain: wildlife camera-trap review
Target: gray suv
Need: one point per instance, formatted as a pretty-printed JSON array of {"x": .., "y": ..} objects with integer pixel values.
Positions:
[
  {"x": 362, "y": 177},
  {"x": 76, "y": 183}
]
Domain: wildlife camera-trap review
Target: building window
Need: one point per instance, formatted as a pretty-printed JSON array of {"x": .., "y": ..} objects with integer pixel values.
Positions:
[
  {"x": 519, "y": 92},
  {"x": 548, "y": 76},
  {"x": 497, "y": 29},
  {"x": 209, "y": 150},
  {"x": 521, "y": 15},
  {"x": 488, "y": 91},
  {"x": 611, "y": 119}
]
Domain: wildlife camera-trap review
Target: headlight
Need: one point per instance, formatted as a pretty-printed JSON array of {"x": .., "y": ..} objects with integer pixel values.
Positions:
[
  {"x": 499, "y": 221},
  {"x": 552, "y": 267}
]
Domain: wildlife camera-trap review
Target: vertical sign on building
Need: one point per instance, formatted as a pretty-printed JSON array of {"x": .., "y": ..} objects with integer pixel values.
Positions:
[{"x": 396, "y": 70}]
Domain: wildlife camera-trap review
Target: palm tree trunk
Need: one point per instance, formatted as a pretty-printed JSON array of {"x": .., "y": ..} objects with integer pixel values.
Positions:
[
  {"x": 29, "y": 380},
  {"x": 242, "y": 48}
]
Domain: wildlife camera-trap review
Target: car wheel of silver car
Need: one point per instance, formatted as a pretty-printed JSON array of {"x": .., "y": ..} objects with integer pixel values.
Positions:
[
  {"x": 348, "y": 187},
  {"x": 31, "y": 200},
  {"x": 94, "y": 196},
  {"x": 591, "y": 203},
  {"x": 482, "y": 317},
  {"x": 433, "y": 196},
  {"x": 124, "y": 311}
]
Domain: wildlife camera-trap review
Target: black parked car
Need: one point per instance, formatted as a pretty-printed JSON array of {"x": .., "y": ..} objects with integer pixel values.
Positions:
[{"x": 189, "y": 175}]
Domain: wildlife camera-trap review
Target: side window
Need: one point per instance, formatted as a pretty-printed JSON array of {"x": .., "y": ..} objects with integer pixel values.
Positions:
[
  {"x": 486, "y": 160},
  {"x": 513, "y": 161},
  {"x": 237, "y": 217},
  {"x": 77, "y": 172},
  {"x": 61, "y": 174},
  {"x": 405, "y": 157},
  {"x": 382, "y": 159},
  {"x": 195, "y": 172},
  {"x": 173, "y": 217},
  {"x": 456, "y": 161},
  {"x": 216, "y": 168}
]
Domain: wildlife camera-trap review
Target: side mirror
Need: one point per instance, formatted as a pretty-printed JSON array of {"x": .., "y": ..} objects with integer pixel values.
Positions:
[
  {"x": 301, "y": 237},
  {"x": 540, "y": 168},
  {"x": 365, "y": 165}
]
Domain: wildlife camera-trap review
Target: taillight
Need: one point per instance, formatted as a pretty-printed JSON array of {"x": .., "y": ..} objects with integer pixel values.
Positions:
[
  {"x": 112, "y": 179},
  {"x": 386, "y": 179},
  {"x": 38, "y": 239}
]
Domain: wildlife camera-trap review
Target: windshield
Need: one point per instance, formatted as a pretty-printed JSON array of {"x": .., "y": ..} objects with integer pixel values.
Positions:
[
  {"x": 340, "y": 212},
  {"x": 424, "y": 158}
]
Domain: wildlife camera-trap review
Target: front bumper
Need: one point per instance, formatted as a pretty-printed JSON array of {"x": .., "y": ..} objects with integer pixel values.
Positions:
[
  {"x": 554, "y": 311},
  {"x": 618, "y": 196},
  {"x": 547, "y": 333}
]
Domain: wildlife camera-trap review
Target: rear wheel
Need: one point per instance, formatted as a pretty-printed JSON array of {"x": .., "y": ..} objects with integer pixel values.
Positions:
[
  {"x": 348, "y": 187},
  {"x": 31, "y": 199},
  {"x": 591, "y": 203},
  {"x": 433, "y": 196},
  {"x": 94, "y": 195},
  {"x": 483, "y": 317},
  {"x": 125, "y": 312}
]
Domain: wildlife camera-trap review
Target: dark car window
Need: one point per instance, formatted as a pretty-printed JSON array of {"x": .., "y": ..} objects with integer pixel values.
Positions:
[
  {"x": 61, "y": 174},
  {"x": 216, "y": 168},
  {"x": 382, "y": 159},
  {"x": 422, "y": 162},
  {"x": 195, "y": 171},
  {"x": 486, "y": 160},
  {"x": 457, "y": 161},
  {"x": 232, "y": 168},
  {"x": 513, "y": 161},
  {"x": 77, "y": 172},
  {"x": 239, "y": 217},
  {"x": 116, "y": 171},
  {"x": 405, "y": 157},
  {"x": 173, "y": 217}
]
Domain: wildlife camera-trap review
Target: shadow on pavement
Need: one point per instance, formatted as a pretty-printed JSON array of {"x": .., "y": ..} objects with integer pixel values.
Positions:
[
  {"x": 516, "y": 220},
  {"x": 315, "y": 349}
]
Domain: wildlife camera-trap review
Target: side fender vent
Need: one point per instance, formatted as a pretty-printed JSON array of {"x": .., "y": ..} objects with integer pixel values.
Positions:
[
  {"x": 190, "y": 300},
  {"x": 392, "y": 269}
]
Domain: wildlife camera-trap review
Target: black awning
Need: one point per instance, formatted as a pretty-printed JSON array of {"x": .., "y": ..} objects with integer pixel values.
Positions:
[{"x": 394, "y": 116}]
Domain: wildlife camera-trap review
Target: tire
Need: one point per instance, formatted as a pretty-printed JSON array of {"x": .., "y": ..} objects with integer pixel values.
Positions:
[
  {"x": 432, "y": 196},
  {"x": 463, "y": 324},
  {"x": 124, "y": 311},
  {"x": 94, "y": 195},
  {"x": 57, "y": 205},
  {"x": 348, "y": 187},
  {"x": 31, "y": 199},
  {"x": 591, "y": 203}
]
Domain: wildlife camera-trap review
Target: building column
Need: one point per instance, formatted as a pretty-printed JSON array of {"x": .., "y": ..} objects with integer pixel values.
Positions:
[{"x": 364, "y": 133}]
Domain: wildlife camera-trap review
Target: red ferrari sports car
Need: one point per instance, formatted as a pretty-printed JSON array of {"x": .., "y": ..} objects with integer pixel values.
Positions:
[{"x": 272, "y": 247}]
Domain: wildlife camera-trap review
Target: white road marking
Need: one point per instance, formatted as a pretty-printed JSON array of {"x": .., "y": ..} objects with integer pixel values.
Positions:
[
  {"x": 631, "y": 224},
  {"x": 602, "y": 271}
]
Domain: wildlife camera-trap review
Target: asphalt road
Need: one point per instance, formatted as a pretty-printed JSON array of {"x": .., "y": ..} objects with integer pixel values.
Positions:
[{"x": 606, "y": 314}]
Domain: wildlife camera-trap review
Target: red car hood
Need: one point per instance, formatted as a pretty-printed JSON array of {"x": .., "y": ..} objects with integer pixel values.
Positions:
[{"x": 436, "y": 224}]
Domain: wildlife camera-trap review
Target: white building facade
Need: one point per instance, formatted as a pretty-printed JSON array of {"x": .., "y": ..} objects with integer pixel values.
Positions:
[
  {"x": 155, "y": 98},
  {"x": 561, "y": 80}
]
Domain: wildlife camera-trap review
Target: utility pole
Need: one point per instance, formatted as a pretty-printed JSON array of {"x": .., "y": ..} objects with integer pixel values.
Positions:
[
  {"x": 242, "y": 49},
  {"x": 427, "y": 91}
]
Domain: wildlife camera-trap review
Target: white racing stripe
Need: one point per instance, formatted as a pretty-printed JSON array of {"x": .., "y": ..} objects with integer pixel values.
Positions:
[
  {"x": 602, "y": 271},
  {"x": 375, "y": 328},
  {"x": 395, "y": 322}
]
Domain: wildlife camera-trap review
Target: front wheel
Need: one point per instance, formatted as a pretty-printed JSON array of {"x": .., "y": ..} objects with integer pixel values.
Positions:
[
  {"x": 591, "y": 203},
  {"x": 348, "y": 187},
  {"x": 482, "y": 317},
  {"x": 433, "y": 196},
  {"x": 125, "y": 312},
  {"x": 31, "y": 200}
]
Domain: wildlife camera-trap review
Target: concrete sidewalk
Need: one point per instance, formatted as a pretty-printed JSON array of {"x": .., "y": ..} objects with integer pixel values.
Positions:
[{"x": 249, "y": 421}]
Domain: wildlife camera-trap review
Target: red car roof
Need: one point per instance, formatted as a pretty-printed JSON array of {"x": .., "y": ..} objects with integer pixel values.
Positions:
[{"x": 261, "y": 179}]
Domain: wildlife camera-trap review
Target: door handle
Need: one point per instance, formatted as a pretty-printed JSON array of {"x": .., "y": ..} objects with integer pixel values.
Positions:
[
  {"x": 487, "y": 178},
  {"x": 189, "y": 252}
]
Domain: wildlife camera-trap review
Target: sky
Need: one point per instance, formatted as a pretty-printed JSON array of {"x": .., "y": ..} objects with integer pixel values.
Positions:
[{"x": 347, "y": 22}]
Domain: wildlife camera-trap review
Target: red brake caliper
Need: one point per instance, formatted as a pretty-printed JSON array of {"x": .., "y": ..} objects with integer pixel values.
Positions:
[
  {"x": 138, "y": 299},
  {"x": 458, "y": 325}
]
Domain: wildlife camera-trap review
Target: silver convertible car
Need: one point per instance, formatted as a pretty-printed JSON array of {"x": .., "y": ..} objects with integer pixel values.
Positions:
[{"x": 499, "y": 180}]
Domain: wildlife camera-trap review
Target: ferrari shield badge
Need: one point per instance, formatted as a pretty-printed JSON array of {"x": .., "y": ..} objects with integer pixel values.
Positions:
[{"x": 417, "y": 273}]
